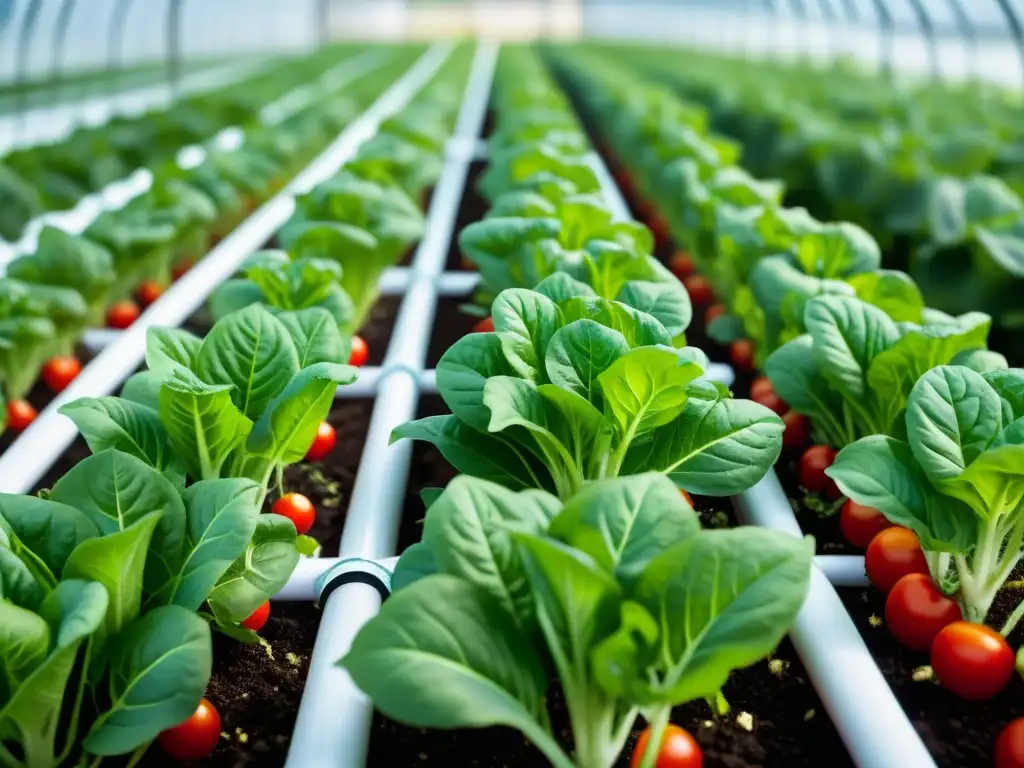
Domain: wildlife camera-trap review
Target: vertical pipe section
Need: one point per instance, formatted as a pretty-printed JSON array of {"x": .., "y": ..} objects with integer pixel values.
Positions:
[
  {"x": 174, "y": 10},
  {"x": 332, "y": 727}
]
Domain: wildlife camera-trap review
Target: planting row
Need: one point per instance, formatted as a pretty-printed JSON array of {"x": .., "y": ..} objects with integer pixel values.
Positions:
[
  {"x": 926, "y": 421},
  {"x": 175, "y": 527},
  {"x": 125, "y": 259}
]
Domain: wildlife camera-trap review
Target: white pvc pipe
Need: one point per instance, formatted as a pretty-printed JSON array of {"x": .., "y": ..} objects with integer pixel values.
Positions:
[{"x": 843, "y": 570}]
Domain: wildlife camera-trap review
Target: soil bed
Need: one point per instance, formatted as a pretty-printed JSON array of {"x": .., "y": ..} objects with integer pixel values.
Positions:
[
  {"x": 472, "y": 208},
  {"x": 957, "y": 732},
  {"x": 450, "y": 325}
]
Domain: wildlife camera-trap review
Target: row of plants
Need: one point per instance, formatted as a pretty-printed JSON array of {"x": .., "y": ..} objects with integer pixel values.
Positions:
[
  {"x": 177, "y": 525},
  {"x": 126, "y": 258},
  {"x": 564, "y": 586},
  {"x": 55, "y": 176},
  {"x": 934, "y": 173},
  {"x": 916, "y": 425}
]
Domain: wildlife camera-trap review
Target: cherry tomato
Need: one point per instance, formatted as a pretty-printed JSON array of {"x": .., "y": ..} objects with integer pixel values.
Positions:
[
  {"x": 61, "y": 371},
  {"x": 467, "y": 264},
  {"x": 484, "y": 326},
  {"x": 323, "y": 443},
  {"x": 678, "y": 749},
  {"x": 258, "y": 617},
  {"x": 766, "y": 396},
  {"x": 741, "y": 353},
  {"x": 1010, "y": 745},
  {"x": 861, "y": 524},
  {"x": 197, "y": 737},
  {"x": 700, "y": 290},
  {"x": 891, "y": 555},
  {"x": 760, "y": 386},
  {"x": 183, "y": 266},
  {"x": 798, "y": 430},
  {"x": 813, "y": 464},
  {"x": 715, "y": 310},
  {"x": 20, "y": 414},
  {"x": 122, "y": 314},
  {"x": 681, "y": 265},
  {"x": 916, "y": 611},
  {"x": 298, "y": 509},
  {"x": 148, "y": 292},
  {"x": 686, "y": 497},
  {"x": 360, "y": 352},
  {"x": 971, "y": 660}
]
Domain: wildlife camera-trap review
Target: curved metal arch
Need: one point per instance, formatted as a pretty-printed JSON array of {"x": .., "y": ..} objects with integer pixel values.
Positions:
[
  {"x": 927, "y": 29},
  {"x": 58, "y": 43},
  {"x": 25, "y": 35},
  {"x": 1016, "y": 28},
  {"x": 967, "y": 31},
  {"x": 887, "y": 31},
  {"x": 173, "y": 30},
  {"x": 115, "y": 35}
]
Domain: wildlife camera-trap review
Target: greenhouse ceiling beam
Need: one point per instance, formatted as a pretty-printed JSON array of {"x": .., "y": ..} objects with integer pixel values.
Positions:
[
  {"x": 968, "y": 32},
  {"x": 1016, "y": 27},
  {"x": 926, "y": 28},
  {"x": 25, "y": 462}
]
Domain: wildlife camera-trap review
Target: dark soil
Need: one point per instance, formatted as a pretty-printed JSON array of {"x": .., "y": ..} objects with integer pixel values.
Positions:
[
  {"x": 957, "y": 732},
  {"x": 815, "y": 514},
  {"x": 450, "y": 325},
  {"x": 472, "y": 209}
]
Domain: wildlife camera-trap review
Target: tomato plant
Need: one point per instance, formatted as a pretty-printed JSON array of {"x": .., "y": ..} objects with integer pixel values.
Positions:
[
  {"x": 360, "y": 352},
  {"x": 860, "y": 524},
  {"x": 678, "y": 749},
  {"x": 486, "y": 325},
  {"x": 1010, "y": 745},
  {"x": 195, "y": 738},
  {"x": 891, "y": 555},
  {"x": 258, "y": 618},
  {"x": 323, "y": 443},
  {"x": 916, "y": 611},
  {"x": 148, "y": 292},
  {"x": 700, "y": 290},
  {"x": 813, "y": 464},
  {"x": 60, "y": 371},
  {"x": 682, "y": 266},
  {"x": 798, "y": 430},
  {"x": 972, "y": 660},
  {"x": 20, "y": 414},
  {"x": 298, "y": 509},
  {"x": 122, "y": 314}
]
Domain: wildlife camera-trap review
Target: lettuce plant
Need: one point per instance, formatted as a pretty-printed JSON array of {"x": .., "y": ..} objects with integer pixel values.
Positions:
[
  {"x": 571, "y": 388},
  {"x": 616, "y": 593},
  {"x": 955, "y": 477},
  {"x": 854, "y": 369}
]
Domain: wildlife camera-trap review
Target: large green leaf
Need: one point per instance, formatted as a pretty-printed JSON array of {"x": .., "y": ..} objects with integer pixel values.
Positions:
[
  {"x": 580, "y": 352},
  {"x": 49, "y": 529}
]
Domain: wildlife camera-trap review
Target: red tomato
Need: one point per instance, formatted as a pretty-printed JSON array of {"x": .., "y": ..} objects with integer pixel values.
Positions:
[
  {"x": 686, "y": 497},
  {"x": 715, "y": 310},
  {"x": 916, "y": 611},
  {"x": 700, "y": 289},
  {"x": 258, "y": 617},
  {"x": 20, "y": 414},
  {"x": 1010, "y": 745},
  {"x": 813, "y": 464},
  {"x": 298, "y": 509},
  {"x": 798, "y": 430},
  {"x": 148, "y": 292},
  {"x": 891, "y": 555},
  {"x": 741, "y": 353},
  {"x": 861, "y": 524},
  {"x": 323, "y": 443},
  {"x": 60, "y": 371},
  {"x": 185, "y": 265},
  {"x": 972, "y": 660},
  {"x": 768, "y": 398},
  {"x": 122, "y": 314},
  {"x": 360, "y": 352},
  {"x": 759, "y": 386},
  {"x": 467, "y": 264},
  {"x": 484, "y": 326},
  {"x": 681, "y": 265},
  {"x": 195, "y": 738},
  {"x": 678, "y": 749}
]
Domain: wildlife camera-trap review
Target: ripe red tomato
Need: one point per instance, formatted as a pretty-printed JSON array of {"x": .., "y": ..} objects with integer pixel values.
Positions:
[
  {"x": 60, "y": 371},
  {"x": 678, "y": 749},
  {"x": 197, "y": 737},
  {"x": 323, "y": 443},
  {"x": 1010, "y": 745},
  {"x": 715, "y": 310},
  {"x": 258, "y": 617},
  {"x": 766, "y": 396},
  {"x": 760, "y": 386},
  {"x": 891, "y": 555},
  {"x": 741, "y": 352},
  {"x": 298, "y": 509},
  {"x": 916, "y": 611},
  {"x": 360, "y": 352},
  {"x": 681, "y": 265},
  {"x": 798, "y": 430},
  {"x": 183, "y": 266},
  {"x": 148, "y": 292},
  {"x": 972, "y": 660},
  {"x": 484, "y": 326},
  {"x": 686, "y": 497},
  {"x": 861, "y": 524},
  {"x": 20, "y": 414},
  {"x": 122, "y": 314},
  {"x": 466, "y": 264},
  {"x": 813, "y": 464},
  {"x": 700, "y": 290}
]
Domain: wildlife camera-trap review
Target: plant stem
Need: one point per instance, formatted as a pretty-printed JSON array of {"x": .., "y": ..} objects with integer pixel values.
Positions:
[
  {"x": 658, "y": 725},
  {"x": 1011, "y": 622},
  {"x": 138, "y": 754}
]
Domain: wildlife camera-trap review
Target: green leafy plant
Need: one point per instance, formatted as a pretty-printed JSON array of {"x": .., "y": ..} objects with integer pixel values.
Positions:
[
  {"x": 618, "y": 595},
  {"x": 573, "y": 387},
  {"x": 956, "y": 478}
]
